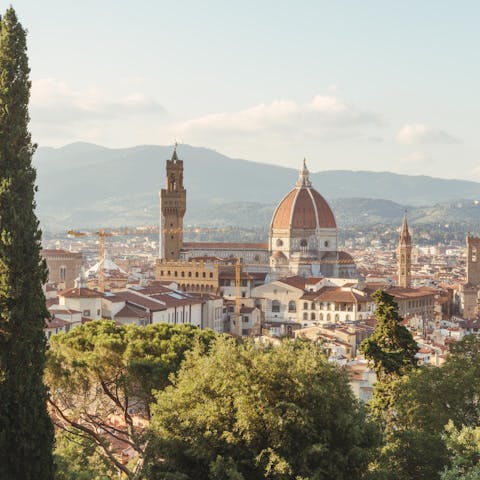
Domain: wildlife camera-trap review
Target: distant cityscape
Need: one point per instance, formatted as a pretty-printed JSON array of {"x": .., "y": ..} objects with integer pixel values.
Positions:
[{"x": 292, "y": 278}]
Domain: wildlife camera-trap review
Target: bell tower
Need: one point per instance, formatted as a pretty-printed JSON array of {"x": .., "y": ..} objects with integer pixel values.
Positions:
[
  {"x": 173, "y": 204},
  {"x": 405, "y": 256}
]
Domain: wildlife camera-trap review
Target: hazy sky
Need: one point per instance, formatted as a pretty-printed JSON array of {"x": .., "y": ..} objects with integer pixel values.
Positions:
[{"x": 371, "y": 85}]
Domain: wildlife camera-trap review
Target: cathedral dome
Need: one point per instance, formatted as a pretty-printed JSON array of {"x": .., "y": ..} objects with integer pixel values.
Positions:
[{"x": 303, "y": 207}]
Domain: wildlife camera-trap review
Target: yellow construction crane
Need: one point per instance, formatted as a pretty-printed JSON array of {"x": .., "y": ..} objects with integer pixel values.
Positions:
[
  {"x": 238, "y": 305},
  {"x": 101, "y": 234}
]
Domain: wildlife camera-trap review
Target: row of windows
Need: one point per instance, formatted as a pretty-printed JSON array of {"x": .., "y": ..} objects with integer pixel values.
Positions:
[
  {"x": 227, "y": 282},
  {"x": 419, "y": 303},
  {"x": 338, "y": 307},
  {"x": 197, "y": 288},
  {"x": 182, "y": 274},
  {"x": 328, "y": 317},
  {"x": 303, "y": 243},
  {"x": 178, "y": 317},
  {"x": 292, "y": 306}
]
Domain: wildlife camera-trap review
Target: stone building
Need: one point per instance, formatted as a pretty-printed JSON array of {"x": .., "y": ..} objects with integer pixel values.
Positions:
[
  {"x": 63, "y": 266},
  {"x": 404, "y": 253},
  {"x": 302, "y": 241},
  {"x": 303, "y": 236},
  {"x": 173, "y": 205},
  {"x": 471, "y": 288}
]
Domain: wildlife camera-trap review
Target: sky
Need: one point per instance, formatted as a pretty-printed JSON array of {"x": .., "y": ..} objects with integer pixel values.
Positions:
[{"x": 356, "y": 85}]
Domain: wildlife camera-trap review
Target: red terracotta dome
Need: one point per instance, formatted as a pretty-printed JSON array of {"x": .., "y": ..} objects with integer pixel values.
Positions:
[{"x": 303, "y": 208}]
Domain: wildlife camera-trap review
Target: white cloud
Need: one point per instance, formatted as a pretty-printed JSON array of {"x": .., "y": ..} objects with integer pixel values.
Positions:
[
  {"x": 323, "y": 116},
  {"x": 57, "y": 110},
  {"x": 420, "y": 133},
  {"x": 54, "y": 102},
  {"x": 476, "y": 172}
]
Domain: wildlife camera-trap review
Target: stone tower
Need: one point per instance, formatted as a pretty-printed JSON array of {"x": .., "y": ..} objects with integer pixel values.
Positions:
[
  {"x": 404, "y": 253},
  {"x": 470, "y": 289},
  {"x": 173, "y": 204},
  {"x": 473, "y": 260}
]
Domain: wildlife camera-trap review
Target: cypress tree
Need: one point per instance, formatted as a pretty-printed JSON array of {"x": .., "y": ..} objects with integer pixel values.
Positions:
[{"x": 26, "y": 432}]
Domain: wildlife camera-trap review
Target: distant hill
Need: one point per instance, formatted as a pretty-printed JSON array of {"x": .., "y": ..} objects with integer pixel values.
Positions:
[{"x": 83, "y": 184}]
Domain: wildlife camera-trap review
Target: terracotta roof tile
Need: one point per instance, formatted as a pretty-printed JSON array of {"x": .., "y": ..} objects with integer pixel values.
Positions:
[
  {"x": 303, "y": 208},
  {"x": 80, "y": 293}
]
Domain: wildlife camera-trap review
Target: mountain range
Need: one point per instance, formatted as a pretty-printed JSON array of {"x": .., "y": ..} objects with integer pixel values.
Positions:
[{"x": 85, "y": 185}]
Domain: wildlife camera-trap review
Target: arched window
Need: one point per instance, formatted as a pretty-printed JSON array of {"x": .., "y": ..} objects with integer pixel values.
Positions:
[
  {"x": 312, "y": 316},
  {"x": 305, "y": 305},
  {"x": 275, "y": 306},
  {"x": 337, "y": 317},
  {"x": 347, "y": 317},
  {"x": 303, "y": 242},
  {"x": 292, "y": 306},
  {"x": 329, "y": 317},
  {"x": 305, "y": 316},
  {"x": 320, "y": 317},
  {"x": 182, "y": 273},
  {"x": 279, "y": 242},
  {"x": 189, "y": 274},
  {"x": 360, "y": 317},
  {"x": 313, "y": 306}
]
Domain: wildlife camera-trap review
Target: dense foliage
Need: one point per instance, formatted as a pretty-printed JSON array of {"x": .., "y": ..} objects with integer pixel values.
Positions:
[
  {"x": 252, "y": 412},
  {"x": 26, "y": 433},
  {"x": 428, "y": 400},
  {"x": 391, "y": 350},
  {"x": 217, "y": 409},
  {"x": 102, "y": 375}
]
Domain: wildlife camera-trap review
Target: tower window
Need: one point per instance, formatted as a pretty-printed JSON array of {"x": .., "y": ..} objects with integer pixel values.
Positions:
[
  {"x": 474, "y": 254},
  {"x": 279, "y": 242}
]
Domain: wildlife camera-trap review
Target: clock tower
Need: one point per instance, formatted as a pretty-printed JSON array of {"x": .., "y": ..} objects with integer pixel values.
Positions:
[{"x": 173, "y": 204}]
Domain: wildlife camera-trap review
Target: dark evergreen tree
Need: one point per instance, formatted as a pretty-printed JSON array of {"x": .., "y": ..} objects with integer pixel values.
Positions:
[
  {"x": 26, "y": 432},
  {"x": 391, "y": 349}
]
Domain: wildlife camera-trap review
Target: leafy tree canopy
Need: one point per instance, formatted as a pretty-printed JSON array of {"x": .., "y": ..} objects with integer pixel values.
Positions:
[
  {"x": 101, "y": 378},
  {"x": 253, "y": 412},
  {"x": 464, "y": 447},
  {"x": 425, "y": 402}
]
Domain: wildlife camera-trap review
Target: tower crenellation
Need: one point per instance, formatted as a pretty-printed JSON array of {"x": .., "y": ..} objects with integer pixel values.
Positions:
[{"x": 173, "y": 205}]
